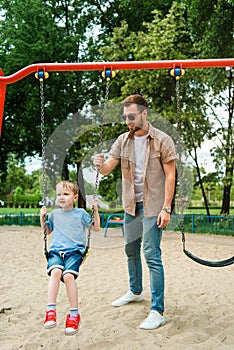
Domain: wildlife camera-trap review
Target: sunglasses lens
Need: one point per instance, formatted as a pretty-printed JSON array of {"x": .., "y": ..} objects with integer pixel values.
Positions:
[{"x": 130, "y": 117}]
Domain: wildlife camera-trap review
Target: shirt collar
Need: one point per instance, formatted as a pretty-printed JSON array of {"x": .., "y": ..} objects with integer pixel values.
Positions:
[{"x": 150, "y": 132}]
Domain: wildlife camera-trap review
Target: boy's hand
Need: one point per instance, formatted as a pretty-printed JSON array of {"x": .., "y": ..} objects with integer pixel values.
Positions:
[
  {"x": 95, "y": 204},
  {"x": 43, "y": 211}
]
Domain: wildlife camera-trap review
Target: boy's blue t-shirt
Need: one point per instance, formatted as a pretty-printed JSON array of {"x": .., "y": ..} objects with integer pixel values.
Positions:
[{"x": 68, "y": 228}]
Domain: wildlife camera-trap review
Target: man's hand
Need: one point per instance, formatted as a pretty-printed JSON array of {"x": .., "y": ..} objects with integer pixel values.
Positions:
[
  {"x": 163, "y": 219},
  {"x": 98, "y": 160}
]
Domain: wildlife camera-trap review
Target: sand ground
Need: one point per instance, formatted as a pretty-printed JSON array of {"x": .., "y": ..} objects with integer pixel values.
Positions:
[{"x": 199, "y": 300}]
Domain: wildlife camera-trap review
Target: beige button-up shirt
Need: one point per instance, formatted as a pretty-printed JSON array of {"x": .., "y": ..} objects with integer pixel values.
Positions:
[{"x": 159, "y": 149}]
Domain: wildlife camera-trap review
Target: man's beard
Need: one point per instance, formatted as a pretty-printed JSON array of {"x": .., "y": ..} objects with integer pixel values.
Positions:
[{"x": 137, "y": 128}]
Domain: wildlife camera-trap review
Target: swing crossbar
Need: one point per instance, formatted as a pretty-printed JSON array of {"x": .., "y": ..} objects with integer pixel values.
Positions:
[
  {"x": 94, "y": 66},
  {"x": 121, "y": 65}
]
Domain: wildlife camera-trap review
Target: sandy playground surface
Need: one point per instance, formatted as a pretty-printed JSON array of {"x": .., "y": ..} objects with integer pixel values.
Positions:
[{"x": 199, "y": 300}]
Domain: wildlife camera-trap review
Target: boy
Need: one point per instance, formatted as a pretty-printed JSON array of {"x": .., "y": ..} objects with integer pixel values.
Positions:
[{"x": 66, "y": 250}]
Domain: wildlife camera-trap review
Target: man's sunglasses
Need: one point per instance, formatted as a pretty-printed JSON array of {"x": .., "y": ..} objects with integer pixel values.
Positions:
[{"x": 130, "y": 116}]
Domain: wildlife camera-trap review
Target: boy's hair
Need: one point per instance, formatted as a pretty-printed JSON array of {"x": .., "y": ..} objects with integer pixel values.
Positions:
[
  {"x": 137, "y": 99},
  {"x": 67, "y": 184}
]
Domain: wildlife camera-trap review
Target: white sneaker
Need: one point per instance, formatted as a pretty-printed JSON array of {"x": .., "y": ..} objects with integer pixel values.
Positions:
[
  {"x": 154, "y": 320},
  {"x": 129, "y": 297}
]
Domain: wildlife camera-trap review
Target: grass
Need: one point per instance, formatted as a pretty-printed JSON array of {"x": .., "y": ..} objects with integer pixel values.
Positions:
[
  {"x": 18, "y": 210},
  {"x": 202, "y": 211}
]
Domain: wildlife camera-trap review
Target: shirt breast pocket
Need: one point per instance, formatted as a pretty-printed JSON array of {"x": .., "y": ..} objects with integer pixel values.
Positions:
[{"x": 154, "y": 160}]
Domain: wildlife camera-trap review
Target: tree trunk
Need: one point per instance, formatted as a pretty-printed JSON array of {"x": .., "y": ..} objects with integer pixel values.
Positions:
[
  {"x": 80, "y": 181},
  {"x": 225, "y": 209},
  {"x": 226, "y": 200},
  {"x": 65, "y": 174},
  {"x": 201, "y": 184},
  {"x": 229, "y": 153}
]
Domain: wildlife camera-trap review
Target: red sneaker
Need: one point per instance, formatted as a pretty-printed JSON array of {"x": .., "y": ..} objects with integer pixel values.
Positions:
[
  {"x": 50, "y": 320},
  {"x": 72, "y": 324}
]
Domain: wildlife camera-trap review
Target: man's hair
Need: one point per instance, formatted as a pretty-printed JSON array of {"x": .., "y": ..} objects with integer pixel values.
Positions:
[
  {"x": 72, "y": 186},
  {"x": 137, "y": 99}
]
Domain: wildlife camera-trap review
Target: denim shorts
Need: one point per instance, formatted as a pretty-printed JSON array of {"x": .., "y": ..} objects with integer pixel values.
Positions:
[{"x": 68, "y": 262}]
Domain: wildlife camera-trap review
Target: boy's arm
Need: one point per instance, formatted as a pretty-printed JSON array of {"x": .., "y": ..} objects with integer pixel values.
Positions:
[
  {"x": 96, "y": 225},
  {"x": 43, "y": 213}
]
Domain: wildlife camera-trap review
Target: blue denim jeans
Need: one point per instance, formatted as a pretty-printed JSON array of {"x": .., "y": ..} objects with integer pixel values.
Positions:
[{"x": 140, "y": 229}]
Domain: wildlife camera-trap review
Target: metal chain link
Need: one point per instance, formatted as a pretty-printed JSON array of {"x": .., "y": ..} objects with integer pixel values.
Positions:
[
  {"x": 180, "y": 166},
  {"x": 42, "y": 98},
  {"x": 43, "y": 140},
  {"x": 103, "y": 120}
]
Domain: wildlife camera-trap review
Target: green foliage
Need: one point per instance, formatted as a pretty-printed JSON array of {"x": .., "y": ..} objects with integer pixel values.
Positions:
[
  {"x": 53, "y": 31},
  {"x": 41, "y": 31}
]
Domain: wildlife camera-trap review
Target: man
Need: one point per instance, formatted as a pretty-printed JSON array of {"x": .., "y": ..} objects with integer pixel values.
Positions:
[{"x": 147, "y": 157}]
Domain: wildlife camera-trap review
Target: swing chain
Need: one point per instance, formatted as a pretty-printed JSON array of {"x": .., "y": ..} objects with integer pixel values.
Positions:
[
  {"x": 43, "y": 140},
  {"x": 103, "y": 119},
  {"x": 42, "y": 98},
  {"x": 180, "y": 168}
]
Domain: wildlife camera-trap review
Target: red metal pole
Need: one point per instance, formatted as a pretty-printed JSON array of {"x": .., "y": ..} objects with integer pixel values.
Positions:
[
  {"x": 2, "y": 100},
  {"x": 92, "y": 66},
  {"x": 128, "y": 65}
]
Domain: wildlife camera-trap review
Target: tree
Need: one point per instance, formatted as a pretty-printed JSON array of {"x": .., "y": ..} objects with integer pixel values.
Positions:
[
  {"x": 16, "y": 177},
  {"x": 163, "y": 38},
  {"x": 55, "y": 31},
  {"x": 214, "y": 37},
  {"x": 223, "y": 151},
  {"x": 73, "y": 31},
  {"x": 43, "y": 31},
  {"x": 178, "y": 36}
]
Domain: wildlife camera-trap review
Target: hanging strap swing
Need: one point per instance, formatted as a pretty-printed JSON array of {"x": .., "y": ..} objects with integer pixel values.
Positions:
[
  {"x": 177, "y": 73},
  {"x": 107, "y": 74},
  {"x": 41, "y": 76}
]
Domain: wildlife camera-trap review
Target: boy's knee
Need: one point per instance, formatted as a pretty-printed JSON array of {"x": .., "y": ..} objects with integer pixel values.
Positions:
[
  {"x": 57, "y": 273},
  {"x": 68, "y": 277}
]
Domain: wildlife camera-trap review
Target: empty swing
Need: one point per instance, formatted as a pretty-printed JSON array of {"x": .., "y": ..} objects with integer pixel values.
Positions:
[
  {"x": 41, "y": 76},
  {"x": 177, "y": 73}
]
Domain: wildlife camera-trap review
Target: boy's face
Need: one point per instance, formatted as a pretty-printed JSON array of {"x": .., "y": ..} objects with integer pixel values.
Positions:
[{"x": 65, "y": 198}]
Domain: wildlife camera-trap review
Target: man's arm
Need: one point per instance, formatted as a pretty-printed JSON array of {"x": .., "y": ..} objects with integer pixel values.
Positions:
[{"x": 170, "y": 176}]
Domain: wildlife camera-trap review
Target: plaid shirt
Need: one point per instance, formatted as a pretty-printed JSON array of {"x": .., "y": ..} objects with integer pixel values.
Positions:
[{"x": 159, "y": 149}]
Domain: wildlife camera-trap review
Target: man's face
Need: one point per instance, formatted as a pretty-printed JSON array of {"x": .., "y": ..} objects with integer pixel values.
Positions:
[{"x": 133, "y": 117}]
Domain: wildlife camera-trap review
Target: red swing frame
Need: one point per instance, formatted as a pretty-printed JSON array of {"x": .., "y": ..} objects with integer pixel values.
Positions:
[{"x": 103, "y": 66}]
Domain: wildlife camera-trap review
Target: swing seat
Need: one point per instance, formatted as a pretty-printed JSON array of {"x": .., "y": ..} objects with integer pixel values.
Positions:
[
  {"x": 221, "y": 263},
  {"x": 114, "y": 220}
]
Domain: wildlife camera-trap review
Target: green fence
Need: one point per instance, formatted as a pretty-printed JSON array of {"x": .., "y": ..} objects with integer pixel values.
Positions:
[
  {"x": 20, "y": 219},
  {"x": 196, "y": 223},
  {"x": 193, "y": 223}
]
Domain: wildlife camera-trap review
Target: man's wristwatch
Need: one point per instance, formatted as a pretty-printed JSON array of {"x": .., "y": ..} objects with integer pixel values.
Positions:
[{"x": 167, "y": 209}]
